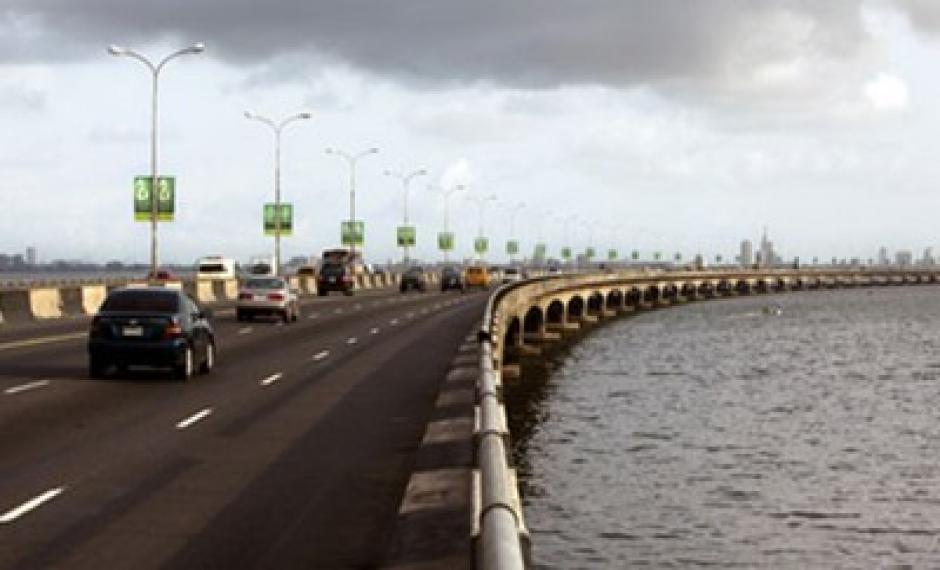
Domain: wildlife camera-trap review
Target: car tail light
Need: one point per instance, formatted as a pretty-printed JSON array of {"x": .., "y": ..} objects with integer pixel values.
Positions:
[
  {"x": 173, "y": 329},
  {"x": 275, "y": 297},
  {"x": 244, "y": 295}
]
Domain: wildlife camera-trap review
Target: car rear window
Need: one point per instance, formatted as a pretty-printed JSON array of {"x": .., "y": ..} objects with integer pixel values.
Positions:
[
  {"x": 264, "y": 284},
  {"x": 211, "y": 268},
  {"x": 142, "y": 301},
  {"x": 332, "y": 269}
]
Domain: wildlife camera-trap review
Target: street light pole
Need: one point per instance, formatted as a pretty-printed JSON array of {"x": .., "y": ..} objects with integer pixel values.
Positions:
[
  {"x": 405, "y": 182},
  {"x": 445, "y": 194},
  {"x": 352, "y": 159},
  {"x": 155, "y": 74},
  {"x": 276, "y": 129},
  {"x": 481, "y": 204},
  {"x": 512, "y": 224}
]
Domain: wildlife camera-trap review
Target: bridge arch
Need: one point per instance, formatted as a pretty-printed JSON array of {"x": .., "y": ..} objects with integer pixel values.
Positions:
[
  {"x": 555, "y": 313},
  {"x": 575, "y": 307},
  {"x": 595, "y": 303},
  {"x": 534, "y": 320},
  {"x": 615, "y": 299}
]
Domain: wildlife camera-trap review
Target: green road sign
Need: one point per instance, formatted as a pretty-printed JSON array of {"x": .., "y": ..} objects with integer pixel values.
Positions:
[
  {"x": 481, "y": 245},
  {"x": 166, "y": 198},
  {"x": 286, "y": 217},
  {"x": 718, "y": 258},
  {"x": 566, "y": 253},
  {"x": 612, "y": 255},
  {"x": 445, "y": 241},
  {"x": 353, "y": 232},
  {"x": 406, "y": 236},
  {"x": 678, "y": 256},
  {"x": 589, "y": 253},
  {"x": 512, "y": 247},
  {"x": 658, "y": 255},
  {"x": 540, "y": 251},
  {"x": 635, "y": 255}
]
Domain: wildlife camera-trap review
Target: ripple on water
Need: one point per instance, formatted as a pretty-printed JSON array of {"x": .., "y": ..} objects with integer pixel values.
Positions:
[{"x": 713, "y": 436}]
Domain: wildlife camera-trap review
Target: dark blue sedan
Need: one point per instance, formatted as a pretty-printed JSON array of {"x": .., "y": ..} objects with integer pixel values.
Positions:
[{"x": 151, "y": 326}]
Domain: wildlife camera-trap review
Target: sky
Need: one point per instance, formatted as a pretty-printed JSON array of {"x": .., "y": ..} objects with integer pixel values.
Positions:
[{"x": 656, "y": 125}]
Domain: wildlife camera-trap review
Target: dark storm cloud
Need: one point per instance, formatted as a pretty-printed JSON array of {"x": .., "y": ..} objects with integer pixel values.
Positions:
[{"x": 516, "y": 42}]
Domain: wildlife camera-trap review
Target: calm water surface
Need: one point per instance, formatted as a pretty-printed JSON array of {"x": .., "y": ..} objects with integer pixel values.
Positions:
[{"x": 717, "y": 435}]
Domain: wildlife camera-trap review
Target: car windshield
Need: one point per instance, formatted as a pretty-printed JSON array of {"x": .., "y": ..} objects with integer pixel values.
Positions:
[
  {"x": 264, "y": 284},
  {"x": 332, "y": 269},
  {"x": 512, "y": 271},
  {"x": 126, "y": 301}
]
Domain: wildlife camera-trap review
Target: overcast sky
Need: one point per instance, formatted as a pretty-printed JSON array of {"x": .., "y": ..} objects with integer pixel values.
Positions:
[{"x": 663, "y": 125}]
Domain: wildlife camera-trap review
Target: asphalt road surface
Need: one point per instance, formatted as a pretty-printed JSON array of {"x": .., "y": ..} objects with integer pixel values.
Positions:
[{"x": 293, "y": 453}]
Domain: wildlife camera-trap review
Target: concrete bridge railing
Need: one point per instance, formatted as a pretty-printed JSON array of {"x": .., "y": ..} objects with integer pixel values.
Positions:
[{"x": 521, "y": 318}]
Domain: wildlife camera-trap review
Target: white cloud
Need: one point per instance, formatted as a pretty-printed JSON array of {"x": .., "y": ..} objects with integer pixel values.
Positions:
[{"x": 887, "y": 93}]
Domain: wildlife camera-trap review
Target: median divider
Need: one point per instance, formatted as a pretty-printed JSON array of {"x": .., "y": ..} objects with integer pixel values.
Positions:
[
  {"x": 92, "y": 297},
  {"x": 45, "y": 303},
  {"x": 14, "y": 306},
  {"x": 218, "y": 289},
  {"x": 205, "y": 292},
  {"x": 72, "y": 301}
]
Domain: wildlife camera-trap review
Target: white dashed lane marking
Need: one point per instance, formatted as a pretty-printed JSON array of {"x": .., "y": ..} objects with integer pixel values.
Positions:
[
  {"x": 338, "y": 311},
  {"x": 393, "y": 322},
  {"x": 246, "y": 330},
  {"x": 25, "y": 387},
  {"x": 352, "y": 340},
  {"x": 374, "y": 331},
  {"x": 200, "y": 415},
  {"x": 313, "y": 316},
  {"x": 271, "y": 379},
  {"x": 321, "y": 355},
  {"x": 30, "y": 505}
]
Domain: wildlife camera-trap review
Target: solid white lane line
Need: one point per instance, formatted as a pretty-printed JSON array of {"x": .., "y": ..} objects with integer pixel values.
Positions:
[
  {"x": 393, "y": 322},
  {"x": 411, "y": 315},
  {"x": 374, "y": 331},
  {"x": 42, "y": 340},
  {"x": 424, "y": 311},
  {"x": 200, "y": 415},
  {"x": 321, "y": 355},
  {"x": 352, "y": 340},
  {"x": 313, "y": 316},
  {"x": 246, "y": 330},
  {"x": 29, "y": 505},
  {"x": 25, "y": 387},
  {"x": 358, "y": 307},
  {"x": 271, "y": 379}
]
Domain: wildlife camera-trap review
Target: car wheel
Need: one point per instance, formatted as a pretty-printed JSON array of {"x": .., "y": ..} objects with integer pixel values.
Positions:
[
  {"x": 208, "y": 363},
  {"x": 295, "y": 315},
  {"x": 239, "y": 316},
  {"x": 184, "y": 370},
  {"x": 321, "y": 293},
  {"x": 97, "y": 367}
]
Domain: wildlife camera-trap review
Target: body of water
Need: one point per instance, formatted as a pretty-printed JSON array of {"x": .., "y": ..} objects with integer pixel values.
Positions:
[{"x": 716, "y": 434}]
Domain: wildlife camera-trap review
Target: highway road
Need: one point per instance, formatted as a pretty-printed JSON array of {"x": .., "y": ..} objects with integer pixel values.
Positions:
[{"x": 293, "y": 453}]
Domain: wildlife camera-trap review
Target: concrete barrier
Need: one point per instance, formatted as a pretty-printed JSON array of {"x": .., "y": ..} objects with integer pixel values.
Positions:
[
  {"x": 309, "y": 285},
  {"x": 45, "y": 303},
  {"x": 294, "y": 282},
  {"x": 72, "y": 301},
  {"x": 14, "y": 306},
  {"x": 205, "y": 292},
  {"x": 92, "y": 297},
  {"x": 361, "y": 281}
]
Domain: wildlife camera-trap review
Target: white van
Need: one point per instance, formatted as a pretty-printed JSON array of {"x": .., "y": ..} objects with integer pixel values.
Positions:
[{"x": 215, "y": 267}]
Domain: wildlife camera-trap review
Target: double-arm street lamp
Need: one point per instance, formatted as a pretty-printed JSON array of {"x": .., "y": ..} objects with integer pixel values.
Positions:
[
  {"x": 445, "y": 194},
  {"x": 351, "y": 160},
  {"x": 155, "y": 70},
  {"x": 276, "y": 129},
  {"x": 405, "y": 182},
  {"x": 481, "y": 201}
]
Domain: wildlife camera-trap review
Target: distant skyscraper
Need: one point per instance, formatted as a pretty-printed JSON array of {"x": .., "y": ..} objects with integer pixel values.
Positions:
[
  {"x": 928, "y": 257},
  {"x": 883, "y": 258},
  {"x": 747, "y": 253},
  {"x": 767, "y": 255},
  {"x": 904, "y": 257},
  {"x": 30, "y": 256}
]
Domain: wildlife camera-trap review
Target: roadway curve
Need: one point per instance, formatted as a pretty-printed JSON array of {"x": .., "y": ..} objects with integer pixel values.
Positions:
[{"x": 293, "y": 453}]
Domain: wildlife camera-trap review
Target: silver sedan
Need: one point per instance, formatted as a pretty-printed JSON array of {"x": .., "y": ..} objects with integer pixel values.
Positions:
[{"x": 267, "y": 296}]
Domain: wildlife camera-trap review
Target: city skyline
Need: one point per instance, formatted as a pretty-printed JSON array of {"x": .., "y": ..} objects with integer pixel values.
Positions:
[{"x": 677, "y": 153}]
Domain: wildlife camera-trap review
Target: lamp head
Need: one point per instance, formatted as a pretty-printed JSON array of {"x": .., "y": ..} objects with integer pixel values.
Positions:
[
  {"x": 116, "y": 50},
  {"x": 197, "y": 47},
  {"x": 304, "y": 115}
]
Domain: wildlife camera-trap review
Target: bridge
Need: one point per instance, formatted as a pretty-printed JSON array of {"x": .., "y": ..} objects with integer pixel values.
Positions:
[{"x": 348, "y": 439}]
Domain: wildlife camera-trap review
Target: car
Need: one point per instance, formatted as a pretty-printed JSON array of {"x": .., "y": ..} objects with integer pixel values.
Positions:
[
  {"x": 451, "y": 278},
  {"x": 161, "y": 275},
  {"x": 267, "y": 296},
  {"x": 306, "y": 271},
  {"x": 511, "y": 275},
  {"x": 335, "y": 276},
  {"x": 215, "y": 267},
  {"x": 413, "y": 279},
  {"x": 154, "y": 327},
  {"x": 477, "y": 276}
]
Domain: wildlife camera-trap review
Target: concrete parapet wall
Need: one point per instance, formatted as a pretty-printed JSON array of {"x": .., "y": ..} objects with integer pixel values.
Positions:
[
  {"x": 72, "y": 301},
  {"x": 231, "y": 289},
  {"x": 205, "y": 292},
  {"x": 45, "y": 303},
  {"x": 14, "y": 306},
  {"x": 92, "y": 297}
]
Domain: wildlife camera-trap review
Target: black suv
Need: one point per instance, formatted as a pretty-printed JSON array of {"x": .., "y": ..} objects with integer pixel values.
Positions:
[
  {"x": 151, "y": 326},
  {"x": 413, "y": 279},
  {"x": 451, "y": 278},
  {"x": 335, "y": 277}
]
